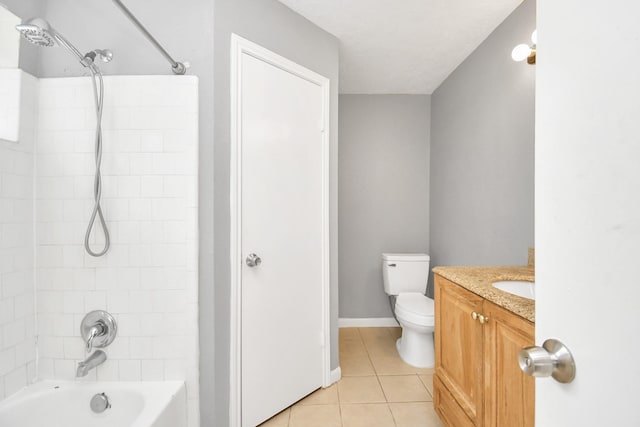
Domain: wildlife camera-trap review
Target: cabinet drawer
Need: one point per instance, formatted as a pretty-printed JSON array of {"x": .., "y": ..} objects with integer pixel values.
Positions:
[{"x": 451, "y": 414}]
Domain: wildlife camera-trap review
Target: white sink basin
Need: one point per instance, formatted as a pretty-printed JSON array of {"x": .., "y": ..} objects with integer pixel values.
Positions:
[{"x": 517, "y": 287}]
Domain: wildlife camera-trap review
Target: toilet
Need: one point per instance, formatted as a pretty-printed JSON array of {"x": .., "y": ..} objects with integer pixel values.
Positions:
[{"x": 405, "y": 279}]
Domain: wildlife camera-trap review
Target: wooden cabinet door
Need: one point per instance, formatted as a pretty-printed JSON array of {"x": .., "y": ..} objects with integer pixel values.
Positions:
[
  {"x": 458, "y": 343},
  {"x": 509, "y": 394}
]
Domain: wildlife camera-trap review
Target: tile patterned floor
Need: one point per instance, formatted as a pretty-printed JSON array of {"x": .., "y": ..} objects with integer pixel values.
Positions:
[{"x": 377, "y": 388}]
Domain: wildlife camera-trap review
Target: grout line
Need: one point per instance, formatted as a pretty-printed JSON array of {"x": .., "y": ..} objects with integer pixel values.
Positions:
[
  {"x": 424, "y": 385},
  {"x": 377, "y": 375},
  {"x": 383, "y": 392},
  {"x": 289, "y": 417},
  {"x": 395, "y": 422},
  {"x": 366, "y": 349},
  {"x": 339, "y": 401}
]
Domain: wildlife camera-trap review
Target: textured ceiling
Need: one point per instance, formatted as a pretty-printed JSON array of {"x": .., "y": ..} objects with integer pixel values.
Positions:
[{"x": 403, "y": 46}]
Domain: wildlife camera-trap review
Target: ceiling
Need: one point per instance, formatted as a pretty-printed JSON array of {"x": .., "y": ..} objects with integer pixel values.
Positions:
[{"x": 403, "y": 46}]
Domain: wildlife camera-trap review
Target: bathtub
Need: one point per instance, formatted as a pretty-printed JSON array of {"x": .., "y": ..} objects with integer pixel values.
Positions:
[{"x": 66, "y": 404}]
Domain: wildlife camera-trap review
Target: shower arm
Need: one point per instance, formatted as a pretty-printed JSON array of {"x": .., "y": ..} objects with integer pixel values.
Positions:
[{"x": 176, "y": 67}]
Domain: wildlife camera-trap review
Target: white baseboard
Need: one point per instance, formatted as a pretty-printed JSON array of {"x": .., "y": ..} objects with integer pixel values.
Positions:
[
  {"x": 335, "y": 375},
  {"x": 372, "y": 322}
]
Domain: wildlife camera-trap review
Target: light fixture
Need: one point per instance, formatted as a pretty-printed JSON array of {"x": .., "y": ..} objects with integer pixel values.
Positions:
[{"x": 524, "y": 51}]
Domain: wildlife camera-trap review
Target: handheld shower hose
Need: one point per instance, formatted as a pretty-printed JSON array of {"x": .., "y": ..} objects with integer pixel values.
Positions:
[
  {"x": 98, "y": 90},
  {"x": 39, "y": 32}
]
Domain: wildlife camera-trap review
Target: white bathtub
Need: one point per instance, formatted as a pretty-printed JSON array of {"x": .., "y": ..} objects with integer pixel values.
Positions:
[{"x": 66, "y": 404}]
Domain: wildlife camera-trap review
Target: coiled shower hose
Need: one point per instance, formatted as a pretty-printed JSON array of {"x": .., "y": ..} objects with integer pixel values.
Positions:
[{"x": 98, "y": 91}]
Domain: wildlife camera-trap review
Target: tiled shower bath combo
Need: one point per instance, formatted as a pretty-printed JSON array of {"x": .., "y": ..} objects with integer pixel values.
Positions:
[{"x": 148, "y": 278}]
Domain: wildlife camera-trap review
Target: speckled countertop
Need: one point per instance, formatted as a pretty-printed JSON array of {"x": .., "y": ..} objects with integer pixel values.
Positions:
[{"x": 478, "y": 280}]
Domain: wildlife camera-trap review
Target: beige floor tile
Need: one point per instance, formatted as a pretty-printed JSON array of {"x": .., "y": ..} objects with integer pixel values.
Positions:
[
  {"x": 381, "y": 346},
  {"x": 315, "y": 416},
  {"x": 347, "y": 334},
  {"x": 351, "y": 343},
  {"x": 425, "y": 371},
  {"x": 279, "y": 420},
  {"x": 395, "y": 332},
  {"x": 390, "y": 364},
  {"x": 405, "y": 388},
  {"x": 367, "y": 415},
  {"x": 369, "y": 334},
  {"x": 360, "y": 390},
  {"x": 381, "y": 349},
  {"x": 376, "y": 338},
  {"x": 358, "y": 365},
  {"x": 415, "y": 415},
  {"x": 324, "y": 396},
  {"x": 427, "y": 380},
  {"x": 352, "y": 348}
]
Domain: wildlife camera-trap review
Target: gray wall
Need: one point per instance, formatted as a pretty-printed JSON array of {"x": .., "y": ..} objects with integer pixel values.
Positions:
[
  {"x": 482, "y": 151},
  {"x": 274, "y": 26},
  {"x": 383, "y": 192}
]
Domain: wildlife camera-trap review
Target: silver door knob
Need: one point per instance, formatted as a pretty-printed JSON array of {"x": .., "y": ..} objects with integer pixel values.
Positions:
[
  {"x": 552, "y": 359},
  {"x": 253, "y": 260}
]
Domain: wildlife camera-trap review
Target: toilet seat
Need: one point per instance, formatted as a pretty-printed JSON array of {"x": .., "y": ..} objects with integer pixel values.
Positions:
[{"x": 415, "y": 308}]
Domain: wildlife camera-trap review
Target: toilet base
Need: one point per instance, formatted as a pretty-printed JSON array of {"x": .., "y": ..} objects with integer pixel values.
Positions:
[{"x": 416, "y": 349}]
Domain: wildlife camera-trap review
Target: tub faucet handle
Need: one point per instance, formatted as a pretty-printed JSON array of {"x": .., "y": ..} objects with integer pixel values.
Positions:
[{"x": 98, "y": 329}]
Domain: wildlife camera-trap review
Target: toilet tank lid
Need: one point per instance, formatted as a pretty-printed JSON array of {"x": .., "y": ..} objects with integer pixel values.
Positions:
[{"x": 405, "y": 257}]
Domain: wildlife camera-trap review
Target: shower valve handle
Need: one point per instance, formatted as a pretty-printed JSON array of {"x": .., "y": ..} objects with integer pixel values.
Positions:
[{"x": 98, "y": 329}]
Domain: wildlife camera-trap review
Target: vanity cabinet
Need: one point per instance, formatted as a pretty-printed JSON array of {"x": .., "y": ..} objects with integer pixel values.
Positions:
[
  {"x": 478, "y": 382},
  {"x": 459, "y": 361}
]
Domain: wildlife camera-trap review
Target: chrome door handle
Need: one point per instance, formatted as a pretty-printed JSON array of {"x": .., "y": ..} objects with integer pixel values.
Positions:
[
  {"x": 552, "y": 359},
  {"x": 253, "y": 260}
]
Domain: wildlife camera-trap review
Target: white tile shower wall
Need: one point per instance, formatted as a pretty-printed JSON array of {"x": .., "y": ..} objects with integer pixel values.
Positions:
[
  {"x": 17, "y": 303},
  {"x": 148, "y": 279},
  {"x": 10, "y": 82}
]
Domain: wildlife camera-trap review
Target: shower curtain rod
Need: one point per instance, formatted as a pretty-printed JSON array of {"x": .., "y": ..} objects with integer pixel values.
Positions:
[{"x": 176, "y": 67}]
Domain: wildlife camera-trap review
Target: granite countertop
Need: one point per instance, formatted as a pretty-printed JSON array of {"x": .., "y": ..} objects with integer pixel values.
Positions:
[{"x": 478, "y": 280}]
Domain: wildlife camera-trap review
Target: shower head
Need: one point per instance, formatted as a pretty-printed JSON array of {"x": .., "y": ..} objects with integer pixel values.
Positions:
[{"x": 39, "y": 32}]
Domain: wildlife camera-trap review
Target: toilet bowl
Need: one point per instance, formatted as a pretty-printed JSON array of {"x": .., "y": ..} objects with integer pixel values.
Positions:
[
  {"x": 405, "y": 281},
  {"x": 415, "y": 314}
]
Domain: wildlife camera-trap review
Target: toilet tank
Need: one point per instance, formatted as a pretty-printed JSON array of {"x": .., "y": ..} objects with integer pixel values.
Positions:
[{"x": 405, "y": 273}]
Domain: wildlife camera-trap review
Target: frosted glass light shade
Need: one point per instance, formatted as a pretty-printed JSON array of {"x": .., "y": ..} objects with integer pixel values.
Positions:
[
  {"x": 520, "y": 52},
  {"x": 534, "y": 37}
]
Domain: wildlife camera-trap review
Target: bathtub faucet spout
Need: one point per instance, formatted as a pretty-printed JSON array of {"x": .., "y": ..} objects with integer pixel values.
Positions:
[{"x": 98, "y": 357}]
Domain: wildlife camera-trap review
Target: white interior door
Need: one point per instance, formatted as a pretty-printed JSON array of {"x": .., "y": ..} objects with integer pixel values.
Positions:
[
  {"x": 588, "y": 208},
  {"x": 283, "y": 219}
]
